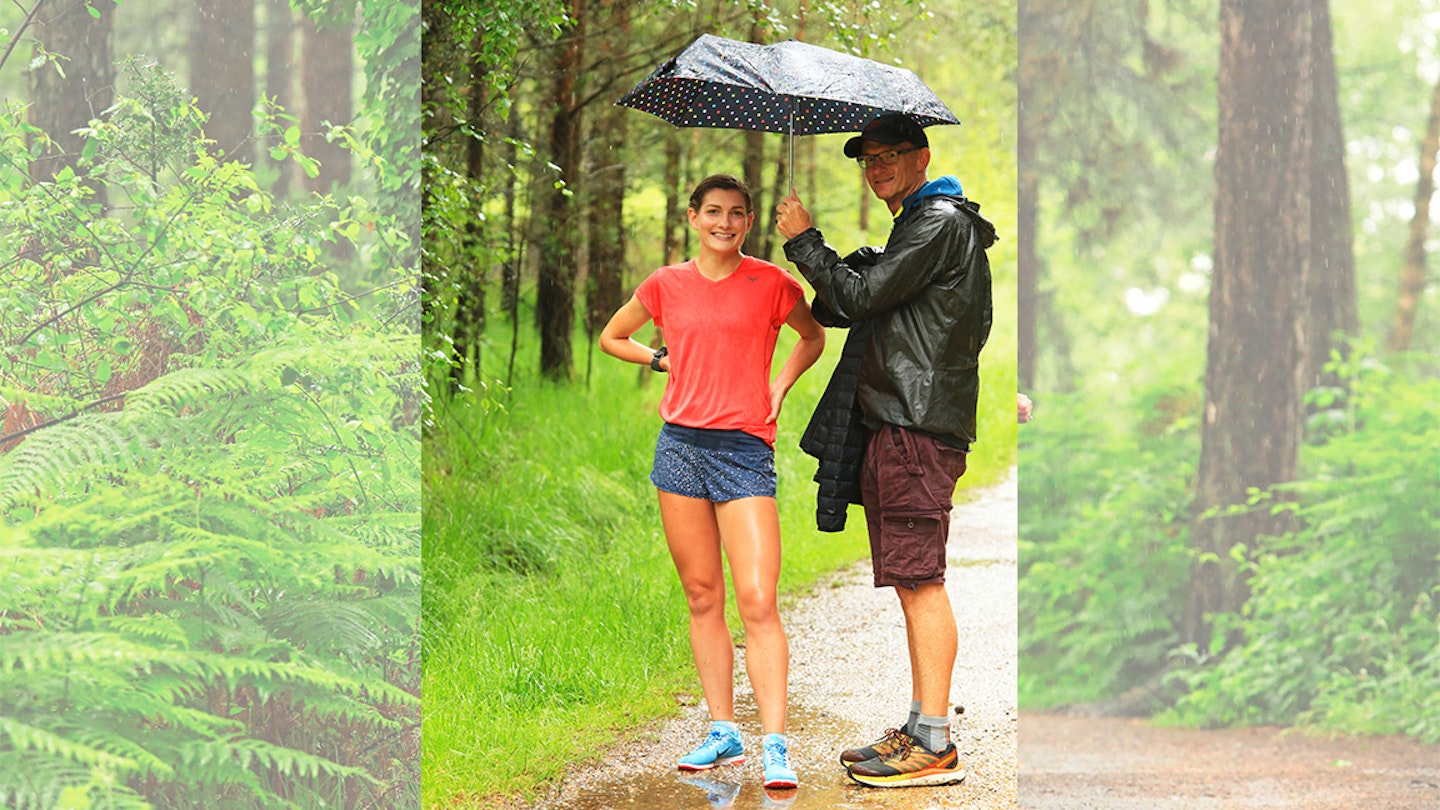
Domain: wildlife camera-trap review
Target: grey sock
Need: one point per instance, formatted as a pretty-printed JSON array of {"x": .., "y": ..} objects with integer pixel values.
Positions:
[
  {"x": 912, "y": 719},
  {"x": 932, "y": 732}
]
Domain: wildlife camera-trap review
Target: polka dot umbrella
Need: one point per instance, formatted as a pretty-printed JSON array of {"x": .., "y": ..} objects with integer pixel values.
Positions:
[{"x": 790, "y": 87}]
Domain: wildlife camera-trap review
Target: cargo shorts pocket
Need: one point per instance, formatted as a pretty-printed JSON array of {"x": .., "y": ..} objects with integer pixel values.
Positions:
[{"x": 913, "y": 546}]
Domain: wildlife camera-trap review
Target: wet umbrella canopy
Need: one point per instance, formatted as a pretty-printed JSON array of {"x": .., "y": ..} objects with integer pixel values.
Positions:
[{"x": 789, "y": 87}]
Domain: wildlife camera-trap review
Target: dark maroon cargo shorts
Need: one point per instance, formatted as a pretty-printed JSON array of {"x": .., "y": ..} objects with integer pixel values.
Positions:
[{"x": 906, "y": 486}]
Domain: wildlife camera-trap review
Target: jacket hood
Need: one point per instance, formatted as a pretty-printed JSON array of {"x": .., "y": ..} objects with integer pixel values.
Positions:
[{"x": 948, "y": 186}]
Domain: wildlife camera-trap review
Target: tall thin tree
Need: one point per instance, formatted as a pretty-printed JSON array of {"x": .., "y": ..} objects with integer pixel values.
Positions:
[
  {"x": 280, "y": 76},
  {"x": 1329, "y": 296},
  {"x": 327, "y": 70},
  {"x": 605, "y": 279},
  {"x": 1413, "y": 270},
  {"x": 469, "y": 274},
  {"x": 555, "y": 296}
]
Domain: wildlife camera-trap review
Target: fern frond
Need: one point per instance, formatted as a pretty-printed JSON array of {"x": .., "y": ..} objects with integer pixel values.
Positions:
[
  {"x": 57, "y": 455},
  {"x": 26, "y": 737},
  {"x": 31, "y": 781},
  {"x": 313, "y": 624},
  {"x": 150, "y": 627},
  {"x": 187, "y": 387},
  {"x": 248, "y": 752}
]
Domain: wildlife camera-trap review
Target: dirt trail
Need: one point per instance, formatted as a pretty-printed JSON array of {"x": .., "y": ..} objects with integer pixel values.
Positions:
[
  {"x": 849, "y": 681},
  {"x": 1106, "y": 763}
]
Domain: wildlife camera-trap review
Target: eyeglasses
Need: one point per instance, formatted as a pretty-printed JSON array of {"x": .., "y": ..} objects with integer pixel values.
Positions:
[{"x": 886, "y": 158}]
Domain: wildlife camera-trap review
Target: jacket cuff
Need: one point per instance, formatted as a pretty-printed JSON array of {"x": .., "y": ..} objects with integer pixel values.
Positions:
[
  {"x": 802, "y": 250},
  {"x": 809, "y": 235}
]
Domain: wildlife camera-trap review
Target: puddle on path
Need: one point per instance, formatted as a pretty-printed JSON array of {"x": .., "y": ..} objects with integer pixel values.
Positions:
[{"x": 816, "y": 739}]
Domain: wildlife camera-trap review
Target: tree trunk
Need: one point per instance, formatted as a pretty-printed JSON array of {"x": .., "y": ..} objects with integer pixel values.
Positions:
[
  {"x": 514, "y": 243},
  {"x": 606, "y": 279},
  {"x": 59, "y": 105},
  {"x": 555, "y": 297},
  {"x": 1330, "y": 295},
  {"x": 766, "y": 225},
  {"x": 510, "y": 277},
  {"x": 1251, "y": 426},
  {"x": 327, "y": 68},
  {"x": 280, "y": 77},
  {"x": 753, "y": 154},
  {"x": 674, "y": 197},
  {"x": 753, "y": 168},
  {"x": 471, "y": 270},
  {"x": 222, "y": 72},
  {"x": 434, "y": 118},
  {"x": 1412, "y": 274}
]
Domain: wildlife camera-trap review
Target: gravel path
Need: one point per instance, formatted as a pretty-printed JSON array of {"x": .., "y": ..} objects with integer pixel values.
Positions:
[
  {"x": 849, "y": 681},
  {"x": 1072, "y": 762}
]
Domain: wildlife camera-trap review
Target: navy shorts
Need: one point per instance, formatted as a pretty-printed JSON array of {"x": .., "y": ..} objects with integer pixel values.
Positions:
[{"x": 713, "y": 465}]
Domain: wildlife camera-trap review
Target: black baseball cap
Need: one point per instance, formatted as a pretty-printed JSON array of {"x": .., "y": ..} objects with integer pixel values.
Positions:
[{"x": 889, "y": 129}]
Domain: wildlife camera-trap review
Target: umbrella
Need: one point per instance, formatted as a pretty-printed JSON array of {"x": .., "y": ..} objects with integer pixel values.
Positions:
[{"x": 791, "y": 87}]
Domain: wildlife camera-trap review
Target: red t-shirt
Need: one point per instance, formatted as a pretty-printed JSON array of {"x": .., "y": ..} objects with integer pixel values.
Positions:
[{"x": 721, "y": 336}]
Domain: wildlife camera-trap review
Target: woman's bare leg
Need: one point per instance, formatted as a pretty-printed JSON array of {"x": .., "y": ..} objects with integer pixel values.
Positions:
[
  {"x": 693, "y": 535},
  {"x": 750, "y": 531}
]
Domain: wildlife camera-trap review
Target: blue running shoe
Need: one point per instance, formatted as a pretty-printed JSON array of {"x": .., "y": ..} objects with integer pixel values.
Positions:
[
  {"x": 778, "y": 773},
  {"x": 721, "y": 747}
]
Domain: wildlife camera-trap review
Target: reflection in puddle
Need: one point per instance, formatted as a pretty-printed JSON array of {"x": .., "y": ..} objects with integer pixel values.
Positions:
[
  {"x": 816, "y": 740},
  {"x": 822, "y": 781}
]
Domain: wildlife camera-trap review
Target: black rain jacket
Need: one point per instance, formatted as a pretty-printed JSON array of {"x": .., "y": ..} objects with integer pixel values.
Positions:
[{"x": 927, "y": 298}]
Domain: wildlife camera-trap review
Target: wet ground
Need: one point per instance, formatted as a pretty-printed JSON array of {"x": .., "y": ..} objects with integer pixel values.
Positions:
[
  {"x": 849, "y": 682},
  {"x": 1107, "y": 763}
]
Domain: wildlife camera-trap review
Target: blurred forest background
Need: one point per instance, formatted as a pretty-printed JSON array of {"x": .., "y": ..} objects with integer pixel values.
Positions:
[
  {"x": 1230, "y": 500},
  {"x": 209, "y": 403},
  {"x": 550, "y": 600}
]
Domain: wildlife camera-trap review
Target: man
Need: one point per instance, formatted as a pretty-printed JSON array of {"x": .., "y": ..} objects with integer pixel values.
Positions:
[{"x": 925, "y": 299}]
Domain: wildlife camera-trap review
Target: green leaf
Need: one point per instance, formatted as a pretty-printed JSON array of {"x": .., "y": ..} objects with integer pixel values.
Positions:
[{"x": 94, "y": 12}]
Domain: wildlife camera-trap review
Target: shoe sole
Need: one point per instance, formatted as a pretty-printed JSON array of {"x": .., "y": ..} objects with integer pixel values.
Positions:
[
  {"x": 920, "y": 779},
  {"x": 782, "y": 783},
  {"x": 685, "y": 766}
]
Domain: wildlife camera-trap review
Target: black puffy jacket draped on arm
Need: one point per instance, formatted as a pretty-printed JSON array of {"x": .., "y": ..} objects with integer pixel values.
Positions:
[{"x": 925, "y": 302}]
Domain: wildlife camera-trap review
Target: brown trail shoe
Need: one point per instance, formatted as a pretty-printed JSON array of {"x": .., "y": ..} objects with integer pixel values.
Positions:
[
  {"x": 911, "y": 765},
  {"x": 885, "y": 745}
]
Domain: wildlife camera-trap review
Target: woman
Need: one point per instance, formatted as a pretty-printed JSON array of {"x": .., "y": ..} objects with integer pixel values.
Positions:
[{"x": 714, "y": 461}]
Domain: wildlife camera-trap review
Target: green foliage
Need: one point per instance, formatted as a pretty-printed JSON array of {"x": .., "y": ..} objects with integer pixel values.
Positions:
[
  {"x": 1104, "y": 530},
  {"x": 209, "y": 489},
  {"x": 1343, "y": 629},
  {"x": 387, "y": 39}
]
